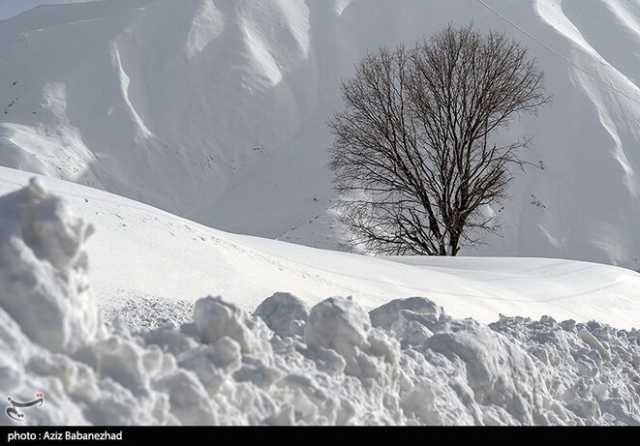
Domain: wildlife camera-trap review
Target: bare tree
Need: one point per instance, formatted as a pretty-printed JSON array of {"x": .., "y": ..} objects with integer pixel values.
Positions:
[{"x": 413, "y": 157}]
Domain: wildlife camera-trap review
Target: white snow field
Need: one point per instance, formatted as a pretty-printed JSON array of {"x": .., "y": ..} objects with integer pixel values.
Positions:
[
  {"x": 141, "y": 255},
  {"x": 293, "y": 361},
  {"x": 215, "y": 110}
]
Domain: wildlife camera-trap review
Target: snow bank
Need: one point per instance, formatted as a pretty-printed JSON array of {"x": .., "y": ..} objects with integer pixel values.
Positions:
[
  {"x": 406, "y": 362},
  {"x": 43, "y": 270}
]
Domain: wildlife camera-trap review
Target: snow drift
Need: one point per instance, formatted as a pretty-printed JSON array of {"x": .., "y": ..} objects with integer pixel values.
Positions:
[
  {"x": 150, "y": 267},
  {"x": 406, "y": 362},
  {"x": 215, "y": 109}
]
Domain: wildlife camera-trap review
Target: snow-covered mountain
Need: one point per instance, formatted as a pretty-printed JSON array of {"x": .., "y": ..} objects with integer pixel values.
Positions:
[
  {"x": 10, "y": 8},
  {"x": 216, "y": 109}
]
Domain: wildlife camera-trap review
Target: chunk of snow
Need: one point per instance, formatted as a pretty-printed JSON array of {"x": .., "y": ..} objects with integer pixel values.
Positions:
[
  {"x": 43, "y": 270},
  {"x": 284, "y": 313},
  {"x": 214, "y": 318}
]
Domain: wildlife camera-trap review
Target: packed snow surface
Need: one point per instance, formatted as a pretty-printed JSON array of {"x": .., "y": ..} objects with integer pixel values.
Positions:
[
  {"x": 405, "y": 362},
  {"x": 215, "y": 110}
]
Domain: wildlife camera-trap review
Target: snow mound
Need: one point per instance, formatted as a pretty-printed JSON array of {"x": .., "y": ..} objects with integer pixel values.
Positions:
[
  {"x": 283, "y": 313},
  {"x": 214, "y": 319},
  {"x": 411, "y": 320},
  {"x": 43, "y": 270},
  {"x": 406, "y": 362}
]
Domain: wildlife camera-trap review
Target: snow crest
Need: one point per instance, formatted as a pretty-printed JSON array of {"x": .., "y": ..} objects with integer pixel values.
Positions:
[{"x": 406, "y": 362}]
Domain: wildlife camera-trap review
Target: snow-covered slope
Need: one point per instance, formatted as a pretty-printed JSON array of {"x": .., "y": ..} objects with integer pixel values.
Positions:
[
  {"x": 285, "y": 362},
  {"x": 216, "y": 109},
  {"x": 10, "y": 8},
  {"x": 143, "y": 256}
]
